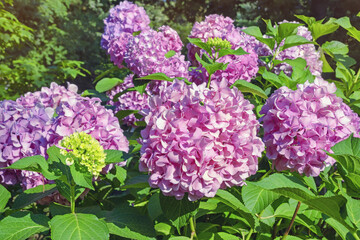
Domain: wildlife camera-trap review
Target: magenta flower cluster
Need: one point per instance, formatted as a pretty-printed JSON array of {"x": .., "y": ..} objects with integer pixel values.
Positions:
[
  {"x": 242, "y": 67},
  {"x": 123, "y": 21},
  {"x": 299, "y": 125},
  {"x": 198, "y": 140},
  {"x": 41, "y": 119}
]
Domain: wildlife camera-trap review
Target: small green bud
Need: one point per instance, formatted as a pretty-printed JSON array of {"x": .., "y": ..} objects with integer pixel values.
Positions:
[
  {"x": 84, "y": 150},
  {"x": 218, "y": 43}
]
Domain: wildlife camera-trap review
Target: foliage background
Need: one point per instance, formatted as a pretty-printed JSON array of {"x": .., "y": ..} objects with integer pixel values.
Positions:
[{"x": 59, "y": 40}]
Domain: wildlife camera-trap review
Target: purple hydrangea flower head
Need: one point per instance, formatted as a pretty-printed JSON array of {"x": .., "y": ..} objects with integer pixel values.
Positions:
[
  {"x": 126, "y": 17},
  {"x": 129, "y": 101},
  {"x": 28, "y": 128},
  {"x": 49, "y": 97},
  {"x": 23, "y": 133},
  {"x": 242, "y": 67},
  {"x": 198, "y": 140},
  {"x": 305, "y": 51},
  {"x": 123, "y": 20},
  {"x": 147, "y": 53},
  {"x": 299, "y": 125}
]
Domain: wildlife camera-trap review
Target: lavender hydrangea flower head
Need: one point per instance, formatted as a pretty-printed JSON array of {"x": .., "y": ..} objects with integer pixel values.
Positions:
[
  {"x": 147, "y": 53},
  {"x": 198, "y": 140},
  {"x": 126, "y": 17},
  {"x": 28, "y": 127},
  {"x": 23, "y": 133},
  {"x": 129, "y": 101},
  {"x": 305, "y": 51},
  {"x": 123, "y": 20},
  {"x": 299, "y": 125},
  {"x": 216, "y": 26}
]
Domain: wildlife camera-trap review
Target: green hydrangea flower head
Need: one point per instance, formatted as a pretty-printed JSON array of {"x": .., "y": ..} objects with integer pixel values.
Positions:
[
  {"x": 85, "y": 151},
  {"x": 218, "y": 43}
]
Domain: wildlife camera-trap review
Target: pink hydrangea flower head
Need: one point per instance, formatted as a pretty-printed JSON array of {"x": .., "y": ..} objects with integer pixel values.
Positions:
[
  {"x": 23, "y": 133},
  {"x": 126, "y": 17},
  {"x": 198, "y": 140},
  {"x": 299, "y": 125},
  {"x": 305, "y": 51},
  {"x": 242, "y": 67},
  {"x": 129, "y": 101}
]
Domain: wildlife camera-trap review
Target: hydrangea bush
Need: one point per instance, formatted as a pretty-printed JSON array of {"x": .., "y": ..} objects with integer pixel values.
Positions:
[{"x": 242, "y": 138}]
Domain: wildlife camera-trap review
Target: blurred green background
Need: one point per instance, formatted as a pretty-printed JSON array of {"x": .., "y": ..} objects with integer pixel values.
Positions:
[{"x": 59, "y": 40}]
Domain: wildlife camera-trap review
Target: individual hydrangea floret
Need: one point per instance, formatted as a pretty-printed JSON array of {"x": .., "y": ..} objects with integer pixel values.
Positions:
[
  {"x": 300, "y": 124},
  {"x": 198, "y": 140},
  {"x": 132, "y": 100},
  {"x": 242, "y": 67},
  {"x": 85, "y": 151},
  {"x": 305, "y": 51}
]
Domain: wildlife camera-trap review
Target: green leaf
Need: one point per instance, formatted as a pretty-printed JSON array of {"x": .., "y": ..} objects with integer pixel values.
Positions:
[
  {"x": 127, "y": 222},
  {"x": 245, "y": 86},
  {"x": 154, "y": 207},
  {"x": 286, "y": 30},
  {"x": 163, "y": 229},
  {"x": 238, "y": 52},
  {"x": 35, "y": 163},
  {"x": 78, "y": 226},
  {"x": 22, "y": 225},
  {"x": 178, "y": 212},
  {"x": 124, "y": 113},
  {"x": 57, "y": 163},
  {"x": 140, "y": 85},
  {"x": 326, "y": 66},
  {"x": 255, "y": 32},
  {"x": 64, "y": 190},
  {"x": 81, "y": 177},
  {"x": 199, "y": 43},
  {"x": 318, "y": 29},
  {"x": 353, "y": 211},
  {"x": 231, "y": 201},
  {"x": 346, "y": 24},
  {"x": 257, "y": 199},
  {"x": 272, "y": 78},
  {"x": 106, "y": 84},
  {"x": 307, "y": 20},
  {"x": 217, "y": 236},
  {"x": 156, "y": 76},
  {"x": 294, "y": 40},
  {"x": 32, "y": 195},
  {"x": 349, "y": 146},
  {"x": 139, "y": 181},
  {"x": 211, "y": 67},
  {"x": 4, "y": 197},
  {"x": 339, "y": 228},
  {"x": 335, "y": 47},
  {"x": 113, "y": 156},
  {"x": 292, "y": 187},
  {"x": 170, "y": 54}
]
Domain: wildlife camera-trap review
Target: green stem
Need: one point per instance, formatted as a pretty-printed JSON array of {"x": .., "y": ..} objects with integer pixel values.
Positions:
[
  {"x": 192, "y": 227},
  {"x": 250, "y": 233},
  {"x": 356, "y": 236},
  {"x": 276, "y": 228},
  {"x": 208, "y": 84},
  {"x": 292, "y": 221},
  {"x": 103, "y": 74},
  {"x": 72, "y": 197},
  {"x": 266, "y": 174}
]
